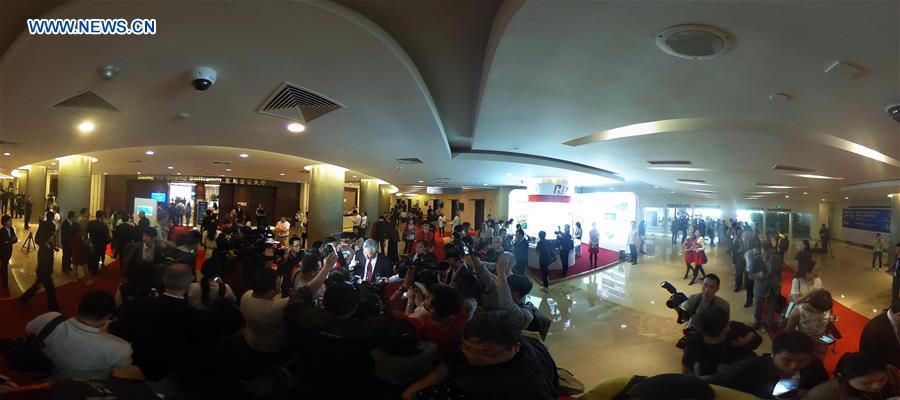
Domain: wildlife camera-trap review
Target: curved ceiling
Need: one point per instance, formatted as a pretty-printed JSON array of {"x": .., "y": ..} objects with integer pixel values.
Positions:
[{"x": 496, "y": 81}]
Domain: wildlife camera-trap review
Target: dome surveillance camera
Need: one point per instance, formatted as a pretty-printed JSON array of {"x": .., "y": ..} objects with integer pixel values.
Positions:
[
  {"x": 893, "y": 111},
  {"x": 203, "y": 78}
]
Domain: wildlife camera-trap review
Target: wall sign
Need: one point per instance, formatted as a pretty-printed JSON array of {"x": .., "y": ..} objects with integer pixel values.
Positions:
[
  {"x": 206, "y": 179},
  {"x": 867, "y": 219}
]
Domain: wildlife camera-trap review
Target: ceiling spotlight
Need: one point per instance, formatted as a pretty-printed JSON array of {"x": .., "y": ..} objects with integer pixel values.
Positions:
[
  {"x": 149, "y": 152},
  {"x": 227, "y": 169},
  {"x": 86, "y": 127},
  {"x": 296, "y": 127},
  {"x": 243, "y": 155},
  {"x": 178, "y": 173},
  {"x": 610, "y": 188},
  {"x": 354, "y": 176},
  {"x": 671, "y": 192},
  {"x": 282, "y": 174},
  {"x": 139, "y": 172},
  {"x": 7, "y": 153},
  {"x": 805, "y": 193},
  {"x": 108, "y": 71},
  {"x": 53, "y": 163},
  {"x": 787, "y": 197},
  {"x": 421, "y": 181},
  {"x": 823, "y": 199},
  {"x": 170, "y": 167},
  {"x": 106, "y": 173},
  {"x": 94, "y": 159},
  {"x": 846, "y": 198}
]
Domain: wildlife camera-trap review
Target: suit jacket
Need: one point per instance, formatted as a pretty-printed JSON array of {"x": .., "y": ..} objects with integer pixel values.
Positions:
[
  {"x": 381, "y": 269},
  {"x": 65, "y": 232},
  {"x": 878, "y": 337},
  {"x": 98, "y": 232},
  {"x": 7, "y": 240}
]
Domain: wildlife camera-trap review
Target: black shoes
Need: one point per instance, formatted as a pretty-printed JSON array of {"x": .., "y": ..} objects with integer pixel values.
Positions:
[{"x": 748, "y": 304}]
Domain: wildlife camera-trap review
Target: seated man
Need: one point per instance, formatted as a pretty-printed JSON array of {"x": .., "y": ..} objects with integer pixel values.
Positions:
[
  {"x": 79, "y": 347},
  {"x": 718, "y": 342},
  {"x": 494, "y": 361},
  {"x": 422, "y": 257},
  {"x": 705, "y": 299},
  {"x": 792, "y": 358}
]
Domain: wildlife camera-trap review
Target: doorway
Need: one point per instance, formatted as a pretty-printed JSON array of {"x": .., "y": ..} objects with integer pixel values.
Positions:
[
  {"x": 778, "y": 221},
  {"x": 479, "y": 213},
  {"x": 454, "y": 207}
]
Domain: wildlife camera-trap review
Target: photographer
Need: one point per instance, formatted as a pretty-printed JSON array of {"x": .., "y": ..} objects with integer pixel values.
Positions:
[
  {"x": 719, "y": 341},
  {"x": 454, "y": 254},
  {"x": 498, "y": 295},
  {"x": 422, "y": 257},
  {"x": 706, "y": 299}
]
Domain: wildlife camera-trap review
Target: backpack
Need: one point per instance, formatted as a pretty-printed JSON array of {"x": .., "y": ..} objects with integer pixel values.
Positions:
[
  {"x": 540, "y": 323},
  {"x": 26, "y": 353}
]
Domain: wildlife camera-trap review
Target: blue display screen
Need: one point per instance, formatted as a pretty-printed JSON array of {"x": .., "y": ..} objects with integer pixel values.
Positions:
[
  {"x": 159, "y": 197},
  {"x": 867, "y": 219}
]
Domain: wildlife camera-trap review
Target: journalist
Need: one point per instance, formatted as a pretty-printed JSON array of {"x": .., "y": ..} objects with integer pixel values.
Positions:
[{"x": 698, "y": 302}]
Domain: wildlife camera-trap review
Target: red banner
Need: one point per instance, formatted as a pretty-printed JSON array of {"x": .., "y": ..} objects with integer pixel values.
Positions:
[{"x": 548, "y": 198}]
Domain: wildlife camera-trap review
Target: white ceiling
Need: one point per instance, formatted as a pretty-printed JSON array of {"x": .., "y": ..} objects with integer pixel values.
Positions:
[{"x": 555, "y": 71}]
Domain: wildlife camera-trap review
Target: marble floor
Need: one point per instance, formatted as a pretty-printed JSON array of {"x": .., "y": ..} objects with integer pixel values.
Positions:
[{"x": 615, "y": 322}]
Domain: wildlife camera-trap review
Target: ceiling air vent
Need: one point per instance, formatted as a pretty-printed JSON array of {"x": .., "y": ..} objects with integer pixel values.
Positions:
[
  {"x": 296, "y": 103},
  {"x": 679, "y": 162},
  {"x": 782, "y": 167},
  {"x": 694, "y": 42},
  {"x": 409, "y": 161},
  {"x": 84, "y": 103},
  {"x": 135, "y": 161},
  {"x": 221, "y": 162},
  {"x": 692, "y": 180}
]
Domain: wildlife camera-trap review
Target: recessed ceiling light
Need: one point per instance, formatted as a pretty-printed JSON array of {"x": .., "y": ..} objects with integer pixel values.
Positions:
[
  {"x": 7, "y": 154},
  {"x": 94, "y": 159},
  {"x": 282, "y": 174},
  {"x": 776, "y": 186},
  {"x": 846, "y": 198},
  {"x": 811, "y": 176},
  {"x": 86, "y": 127},
  {"x": 139, "y": 172},
  {"x": 178, "y": 173},
  {"x": 484, "y": 184},
  {"x": 779, "y": 98},
  {"x": 399, "y": 194},
  {"x": 671, "y": 192},
  {"x": 354, "y": 176},
  {"x": 823, "y": 199},
  {"x": 296, "y": 127},
  {"x": 227, "y": 169},
  {"x": 243, "y": 155},
  {"x": 686, "y": 169},
  {"x": 421, "y": 181},
  {"x": 53, "y": 163},
  {"x": 149, "y": 152},
  {"x": 106, "y": 173},
  {"x": 611, "y": 188},
  {"x": 170, "y": 167},
  {"x": 221, "y": 175},
  {"x": 805, "y": 193},
  {"x": 787, "y": 197}
]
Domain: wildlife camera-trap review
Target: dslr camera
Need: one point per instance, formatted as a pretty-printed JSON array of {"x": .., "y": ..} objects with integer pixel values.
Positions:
[{"x": 675, "y": 300}]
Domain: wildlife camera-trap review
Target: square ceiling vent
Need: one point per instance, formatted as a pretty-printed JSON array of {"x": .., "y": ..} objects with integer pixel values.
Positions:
[
  {"x": 85, "y": 103},
  {"x": 296, "y": 103}
]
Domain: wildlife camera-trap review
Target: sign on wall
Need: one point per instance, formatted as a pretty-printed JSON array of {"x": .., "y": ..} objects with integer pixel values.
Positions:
[{"x": 867, "y": 219}]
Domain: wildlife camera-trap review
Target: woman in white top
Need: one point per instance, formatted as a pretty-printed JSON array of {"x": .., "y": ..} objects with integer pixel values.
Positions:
[
  {"x": 806, "y": 280},
  {"x": 263, "y": 310},
  {"x": 812, "y": 316}
]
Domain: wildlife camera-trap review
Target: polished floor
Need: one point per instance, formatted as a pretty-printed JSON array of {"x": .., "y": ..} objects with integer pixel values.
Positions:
[{"x": 615, "y": 322}]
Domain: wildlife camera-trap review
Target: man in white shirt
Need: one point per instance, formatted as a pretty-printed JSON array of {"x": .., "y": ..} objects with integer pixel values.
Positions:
[
  {"x": 282, "y": 230},
  {"x": 633, "y": 238},
  {"x": 364, "y": 224},
  {"x": 263, "y": 310},
  {"x": 441, "y": 223},
  {"x": 355, "y": 220},
  {"x": 80, "y": 347}
]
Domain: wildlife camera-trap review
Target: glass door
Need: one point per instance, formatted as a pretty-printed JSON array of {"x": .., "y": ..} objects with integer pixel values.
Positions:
[
  {"x": 778, "y": 220},
  {"x": 802, "y": 225},
  {"x": 754, "y": 218}
]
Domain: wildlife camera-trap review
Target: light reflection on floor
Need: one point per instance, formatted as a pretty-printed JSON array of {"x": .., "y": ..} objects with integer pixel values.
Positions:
[{"x": 615, "y": 322}]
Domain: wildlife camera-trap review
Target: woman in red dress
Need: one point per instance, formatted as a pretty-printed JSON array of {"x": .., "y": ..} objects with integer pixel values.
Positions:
[
  {"x": 699, "y": 249},
  {"x": 689, "y": 255}
]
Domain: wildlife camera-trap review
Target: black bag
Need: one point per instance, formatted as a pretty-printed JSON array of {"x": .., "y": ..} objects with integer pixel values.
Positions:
[
  {"x": 226, "y": 318},
  {"x": 26, "y": 353},
  {"x": 540, "y": 323}
]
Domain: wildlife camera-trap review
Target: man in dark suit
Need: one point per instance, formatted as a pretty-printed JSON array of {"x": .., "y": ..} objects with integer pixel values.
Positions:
[
  {"x": 7, "y": 240},
  {"x": 66, "y": 230},
  {"x": 880, "y": 335},
  {"x": 99, "y": 235},
  {"x": 168, "y": 335},
  {"x": 44, "y": 240},
  {"x": 380, "y": 231},
  {"x": 370, "y": 266},
  {"x": 29, "y": 206}
]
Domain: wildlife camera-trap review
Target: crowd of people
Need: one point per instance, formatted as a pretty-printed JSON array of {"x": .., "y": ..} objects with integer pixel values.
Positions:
[{"x": 413, "y": 313}]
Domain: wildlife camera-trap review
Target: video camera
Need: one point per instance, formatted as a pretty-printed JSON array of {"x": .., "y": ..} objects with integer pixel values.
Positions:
[{"x": 675, "y": 300}]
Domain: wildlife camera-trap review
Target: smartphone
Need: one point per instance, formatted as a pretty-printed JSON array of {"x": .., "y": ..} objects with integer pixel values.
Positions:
[
  {"x": 826, "y": 339},
  {"x": 785, "y": 388}
]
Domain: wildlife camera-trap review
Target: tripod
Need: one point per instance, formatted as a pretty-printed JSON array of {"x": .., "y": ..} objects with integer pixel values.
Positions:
[{"x": 29, "y": 243}]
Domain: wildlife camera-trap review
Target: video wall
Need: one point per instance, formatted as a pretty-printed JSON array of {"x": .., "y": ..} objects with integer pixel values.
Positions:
[
  {"x": 612, "y": 212},
  {"x": 867, "y": 219}
]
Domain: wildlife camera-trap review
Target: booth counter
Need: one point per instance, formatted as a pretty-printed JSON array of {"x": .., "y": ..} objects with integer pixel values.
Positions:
[{"x": 534, "y": 260}]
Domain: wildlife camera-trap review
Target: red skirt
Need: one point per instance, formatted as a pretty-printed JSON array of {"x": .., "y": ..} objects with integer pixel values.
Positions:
[
  {"x": 700, "y": 257},
  {"x": 689, "y": 257}
]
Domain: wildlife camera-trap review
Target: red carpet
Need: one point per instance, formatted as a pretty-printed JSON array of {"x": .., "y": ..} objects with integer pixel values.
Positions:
[
  {"x": 605, "y": 258},
  {"x": 850, "y": 323}
]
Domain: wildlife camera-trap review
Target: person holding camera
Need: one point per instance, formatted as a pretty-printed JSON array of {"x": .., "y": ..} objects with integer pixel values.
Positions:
[
  {"x": 422, "y": 258},
  {"x": 706, "y": 299},
  {"x": 718, "y": 341}
]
